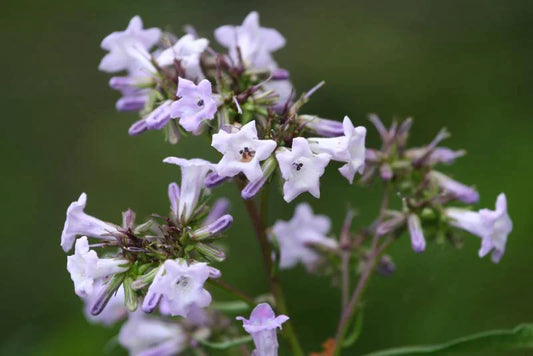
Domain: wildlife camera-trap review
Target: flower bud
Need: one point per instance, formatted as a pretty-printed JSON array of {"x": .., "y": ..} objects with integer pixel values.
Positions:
[
  {"x": 138, "y": 128},
  {"x": 322, "y": 127},
  {"x": 458, "y": 190},
  {"x": 213, "y": 180},
  {"x": 217, "y": 227},
  {"x": 210, "y": 253},
  {"x": 417, "y": 235}
]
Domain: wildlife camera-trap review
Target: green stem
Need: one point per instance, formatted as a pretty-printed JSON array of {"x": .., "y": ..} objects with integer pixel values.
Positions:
[{"x": 258, "y": 222}]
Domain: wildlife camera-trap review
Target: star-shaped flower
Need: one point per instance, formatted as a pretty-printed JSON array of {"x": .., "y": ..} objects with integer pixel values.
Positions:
[
  {"x": 262, "y": 327},
  {"x": 187, "y": 51},
  {"x": 195, "y": 103},
  {"x": 79, "y": 223},
  {"x": 128, "y": 50},
  {"x": 301, "y": 169},
  {"x": 297, "y": 236},
  {"x": 349, "y": 148},
  {"x": 254, "y": 42},
  {"x": 86, "y": 268},
  {"x": 242, "y": 151},
  {"x": 492, "y": 226},
  {"x": 179, "y": 287}
]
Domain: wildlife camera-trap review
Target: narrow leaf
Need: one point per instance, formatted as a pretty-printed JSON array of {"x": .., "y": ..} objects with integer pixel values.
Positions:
[
  {"x": 521, "y": 337},
  {"x": 225, "y": 344}
]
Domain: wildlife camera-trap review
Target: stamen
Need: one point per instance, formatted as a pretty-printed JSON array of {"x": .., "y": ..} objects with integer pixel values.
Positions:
[
  {"x": 297, "y": 165},
  {"x": 247, "y": 154},
  {"x": 200, "y": 102}
]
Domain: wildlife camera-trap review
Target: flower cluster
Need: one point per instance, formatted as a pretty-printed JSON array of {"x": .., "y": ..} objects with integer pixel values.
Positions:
[{"x": 247, "y": 107}]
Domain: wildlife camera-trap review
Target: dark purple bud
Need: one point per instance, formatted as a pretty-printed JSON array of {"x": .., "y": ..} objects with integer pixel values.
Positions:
[
  {"x": 213, "y": 179},
  {"x": 252, "y": 188},
  {"x": 280, "y": 74},
  {"x": 220, "y": 208},
  {"x": 386, "y": 266},
  {"x": 138, "y": 128},
  {"x": 217, "y": 227},
  {"x": 150, "y": 302},
  {"x": 158, "y": 118},
  {"x": 322, "y": 127},
  {"x": 131, "y": 103}
]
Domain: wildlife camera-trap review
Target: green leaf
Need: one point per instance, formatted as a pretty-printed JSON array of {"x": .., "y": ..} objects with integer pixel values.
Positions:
[
  {"x": 225, "y": 344},
  {"x": 356, "y": 332},
  {"x": 521, "y": 337}
]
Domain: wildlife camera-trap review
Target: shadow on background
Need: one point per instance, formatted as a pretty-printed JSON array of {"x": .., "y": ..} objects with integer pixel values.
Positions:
[{"x": 464, "y": 66}]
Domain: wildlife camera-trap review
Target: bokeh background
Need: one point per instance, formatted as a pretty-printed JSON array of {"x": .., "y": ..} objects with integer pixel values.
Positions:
[{"x": 463, "y": 65}]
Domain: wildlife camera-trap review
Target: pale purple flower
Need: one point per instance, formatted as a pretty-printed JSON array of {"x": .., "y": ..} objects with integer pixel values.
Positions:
[
  {"x": 301, "y": 169},
  {"x": 138, "y": 128},
  {"x": 128, "y": 50},
  {"x": 254, "y": 42},
  {"x": 195, "y": 104},
  {"x": 242, "y": 151},
  {"x": 114, "y": 311},
  {"x": 193, "y": 173},
  {"x": 322, "y": 127},
  {"x": 297, "y": 237},
  {"x": 262, "y": 327},
  {"x": 85, "y": 267},
  {"x": 179, "y": 287},
  {"x": 492, "y": 226},
  {"x": 458, "y": 190},
  {"x": 145, "y": 335},
  {"x": 186, "y": 51},
  {"x": 418, "y": 242},
  {"x": 79, "y": 223},
  {"x": 349, "y": 148}
]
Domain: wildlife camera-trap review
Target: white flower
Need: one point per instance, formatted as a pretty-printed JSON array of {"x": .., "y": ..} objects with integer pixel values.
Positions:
[
  {"x": 85, "y": 267},
  {"x": 179, "y": 287},
  {"x": 492, "y": 226},
  {"x": 79, "y": 223},
  {"x": 128, "y": 50},
  {"x": 254, "y": 42},
  {"x": 297, "y": 236},
  {"x": 301, "y": 169},
  {"x": 193, "y": 173},
  {"x": 242, "y": 151},
  {"x": 144, "y": 335},
  {"x": 187, "y": 51},
  {"x": 349, "y": 148}
]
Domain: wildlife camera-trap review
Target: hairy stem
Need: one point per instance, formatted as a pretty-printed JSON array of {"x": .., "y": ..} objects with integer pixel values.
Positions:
[{"x": 258, "y": 222}]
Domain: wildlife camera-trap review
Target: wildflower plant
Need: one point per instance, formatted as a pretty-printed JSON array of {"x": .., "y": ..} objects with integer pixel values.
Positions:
[{"x": 156, "y": 275}]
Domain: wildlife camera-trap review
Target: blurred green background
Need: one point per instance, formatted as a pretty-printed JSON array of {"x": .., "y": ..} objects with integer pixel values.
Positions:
[{"x": 463, "y": 65}]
